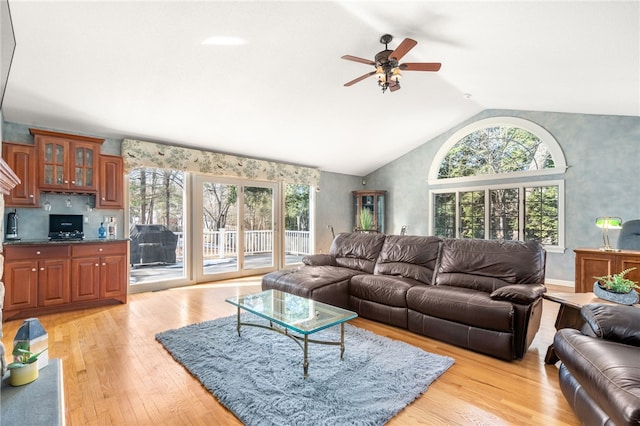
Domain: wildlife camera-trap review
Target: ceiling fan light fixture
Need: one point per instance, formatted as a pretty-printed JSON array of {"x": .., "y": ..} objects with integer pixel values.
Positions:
[
  {"x": 387, "y": 64},
  {"x": 396, "y": 75}
]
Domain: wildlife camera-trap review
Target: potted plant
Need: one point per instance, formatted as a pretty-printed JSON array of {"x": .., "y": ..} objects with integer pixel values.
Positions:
[
  {"x": 24, "y": 369},
  {"x": 366, "y": 220},
  {"x": 617, "y": 288}
]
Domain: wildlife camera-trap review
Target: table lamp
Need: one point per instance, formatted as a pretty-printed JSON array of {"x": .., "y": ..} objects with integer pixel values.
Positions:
[{"x": 606, "y": 223}]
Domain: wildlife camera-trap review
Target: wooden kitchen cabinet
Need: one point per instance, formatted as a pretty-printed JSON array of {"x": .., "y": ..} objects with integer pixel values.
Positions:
[
  {"x": 21, "y": 159},
  {"x": 111, "y": 183},
  {"x": 596, "y": 263},
  {"x": 46, "y": 278},
  {"x": 67, "y": 162},
  {"x": 36, "y": 276},
  {"x": 99, "y": 271}
]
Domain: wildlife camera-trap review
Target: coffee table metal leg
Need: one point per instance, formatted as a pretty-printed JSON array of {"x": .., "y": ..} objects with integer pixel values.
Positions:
[
  {"x": 305, "y": 363},
  {"x": 238, "y": 326},
  {"x": 342, "y": 341}
]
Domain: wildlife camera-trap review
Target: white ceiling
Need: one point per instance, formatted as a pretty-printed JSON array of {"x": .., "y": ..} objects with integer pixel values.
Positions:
[{"x": 138, "y": 69}]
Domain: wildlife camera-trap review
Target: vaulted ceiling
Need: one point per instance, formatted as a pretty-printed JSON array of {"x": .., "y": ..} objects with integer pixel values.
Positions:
[{"x": 139, "y": 69}]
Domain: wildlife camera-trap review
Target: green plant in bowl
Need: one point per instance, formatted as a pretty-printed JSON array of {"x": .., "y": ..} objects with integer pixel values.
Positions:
[{"x": 617, "y": 283}]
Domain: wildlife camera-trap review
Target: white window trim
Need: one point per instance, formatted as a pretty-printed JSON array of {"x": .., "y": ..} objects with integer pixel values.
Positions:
[
  {"x": 559, "y": 248},
  {"x": 560, "y": 164}
]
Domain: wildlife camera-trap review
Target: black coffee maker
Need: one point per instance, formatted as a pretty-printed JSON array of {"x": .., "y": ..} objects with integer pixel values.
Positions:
[{"x": 12, "y": 226}]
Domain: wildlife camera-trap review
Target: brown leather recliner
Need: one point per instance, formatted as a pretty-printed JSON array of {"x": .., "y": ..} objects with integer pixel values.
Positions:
[{"x": 600, "y": 370}]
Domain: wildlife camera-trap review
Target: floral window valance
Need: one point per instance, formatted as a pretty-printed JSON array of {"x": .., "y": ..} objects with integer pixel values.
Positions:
[{"x": 138, "y": 154}]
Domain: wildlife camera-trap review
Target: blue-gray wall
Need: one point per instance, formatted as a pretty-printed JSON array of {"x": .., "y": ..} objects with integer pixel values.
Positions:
[
  {"x": 603, "y": 156},
  {"x": 334, "y": 207}
]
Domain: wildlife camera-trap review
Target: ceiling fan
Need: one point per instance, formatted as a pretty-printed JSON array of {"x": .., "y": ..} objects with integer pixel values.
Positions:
[{"x": 387, "y": 64}]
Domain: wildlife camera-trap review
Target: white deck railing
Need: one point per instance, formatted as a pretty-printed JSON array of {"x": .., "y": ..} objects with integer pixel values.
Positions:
[{"x": 222, "y": 243}]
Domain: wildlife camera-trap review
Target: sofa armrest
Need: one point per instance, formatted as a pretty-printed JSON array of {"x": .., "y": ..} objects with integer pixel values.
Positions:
[
  {"x": 523, "y": 294},
  {"x": 618, "y": 323},
  {"x": 319, "y": 260}
]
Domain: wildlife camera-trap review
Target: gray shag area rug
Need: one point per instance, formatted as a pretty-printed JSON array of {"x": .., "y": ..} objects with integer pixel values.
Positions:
[{"x": 259, "y": 376}]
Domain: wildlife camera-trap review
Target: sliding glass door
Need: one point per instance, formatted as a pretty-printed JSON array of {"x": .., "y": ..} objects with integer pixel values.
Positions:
[
  {"x": 237, "y": 233},
  {"x": 187, "y": 229}
]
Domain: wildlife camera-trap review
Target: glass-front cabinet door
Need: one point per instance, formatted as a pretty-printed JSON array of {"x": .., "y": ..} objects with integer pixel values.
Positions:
[
  {"x": 369, "y": 211},
  {"x": 84, "y": 166},
  {"x": 53, "y": 161},
  {"x": 67, "y": 162}
]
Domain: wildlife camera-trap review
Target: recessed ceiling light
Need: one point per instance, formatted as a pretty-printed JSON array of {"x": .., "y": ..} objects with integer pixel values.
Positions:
[
  {"x": 467, "y": 95},
  {"x": 224, "y": 41}
]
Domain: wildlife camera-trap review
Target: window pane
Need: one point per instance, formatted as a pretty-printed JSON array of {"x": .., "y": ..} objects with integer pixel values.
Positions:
[
  {"x": 541, "y": 214},
  {"x": 495, "y": 150},
  {"x": 504, "y": 214},
  {"x": 472, "y": 214},
  {"x": 156, "y": 205},
  {"x": 297, "y": 239},
  {"x": 445, "y": 215}
]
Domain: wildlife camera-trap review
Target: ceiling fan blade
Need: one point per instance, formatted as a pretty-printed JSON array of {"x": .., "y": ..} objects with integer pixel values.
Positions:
[
  {"x": 393, "y": 86},
  {"x": 404, "y": 47},
  {"x": 356, "y": 59},
  {"x": 362, "y": 77},
  {"x": 420, "y": 66}
]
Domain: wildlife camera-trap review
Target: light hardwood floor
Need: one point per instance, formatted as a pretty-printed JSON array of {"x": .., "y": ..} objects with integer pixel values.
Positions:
[{"x": 115, "y": 373}]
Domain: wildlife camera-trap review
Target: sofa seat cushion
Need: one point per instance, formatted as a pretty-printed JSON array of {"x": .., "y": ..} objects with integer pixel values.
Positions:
[
  {"x": 384, "y": 289},
  {"x": 327, "y": 284},
  {"x": 462, "y": 305},
  {"x": 308, "y": 277},
  {"x": 609, "y": 372}
]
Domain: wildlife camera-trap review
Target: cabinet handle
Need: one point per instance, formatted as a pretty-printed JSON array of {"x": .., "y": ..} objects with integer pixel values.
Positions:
[
  {"x": 97, "y": 264},
  {"x": 66, "y": 181},
  {"x": 33, "y": 270},
  {"x": 104, "y": 263},
  {"x": 38, "y": 252},
  {"x": 30, "y": 195},
  {"x": 99, "y": 249},
  {"x": 42, "y": 269},
  {"x": 73, "y": 182},
  {"x": 103, "y": 198}
]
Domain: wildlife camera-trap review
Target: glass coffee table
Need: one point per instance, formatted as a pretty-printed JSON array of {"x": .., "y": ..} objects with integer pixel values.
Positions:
[{"x": 289, "y": 313}]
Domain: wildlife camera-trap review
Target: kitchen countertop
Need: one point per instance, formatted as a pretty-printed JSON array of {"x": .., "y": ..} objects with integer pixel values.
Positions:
[{"x": 46, "y": 241}]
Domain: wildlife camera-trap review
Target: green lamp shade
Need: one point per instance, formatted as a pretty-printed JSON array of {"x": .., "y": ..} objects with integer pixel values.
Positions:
[{"x": 609, "y": 222}]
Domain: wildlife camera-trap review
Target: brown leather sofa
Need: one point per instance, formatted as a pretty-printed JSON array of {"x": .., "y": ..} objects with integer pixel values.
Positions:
[
  {"x": 484, "y": 295},
  {"x": 600, "y": 370}
]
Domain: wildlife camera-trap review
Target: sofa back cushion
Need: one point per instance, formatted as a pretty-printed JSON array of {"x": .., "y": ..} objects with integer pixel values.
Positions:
[
  {"x": 408, "y": 256},
  {"x": 489, "y": 264},
  {"x": 357, "y": 250}
]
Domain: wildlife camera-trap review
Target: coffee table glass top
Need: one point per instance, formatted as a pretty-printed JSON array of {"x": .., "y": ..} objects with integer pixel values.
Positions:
[{"x": 296, "y": 313}]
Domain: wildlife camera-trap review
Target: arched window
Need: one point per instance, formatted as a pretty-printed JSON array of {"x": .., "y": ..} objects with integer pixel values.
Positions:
[{"x": 499, "y": 178}]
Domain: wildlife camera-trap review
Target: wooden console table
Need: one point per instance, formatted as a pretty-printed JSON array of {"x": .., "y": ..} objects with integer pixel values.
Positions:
[{"x": 595, "y": 263}]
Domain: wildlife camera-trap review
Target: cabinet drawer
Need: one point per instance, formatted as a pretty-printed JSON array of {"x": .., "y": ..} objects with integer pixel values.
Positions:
[
  {"x": 98, "y": 249},
  {"x": 52, "y": 251}
]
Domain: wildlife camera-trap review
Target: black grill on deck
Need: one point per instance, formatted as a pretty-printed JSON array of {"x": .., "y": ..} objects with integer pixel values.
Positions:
[{"x": 152, "y": 244}]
